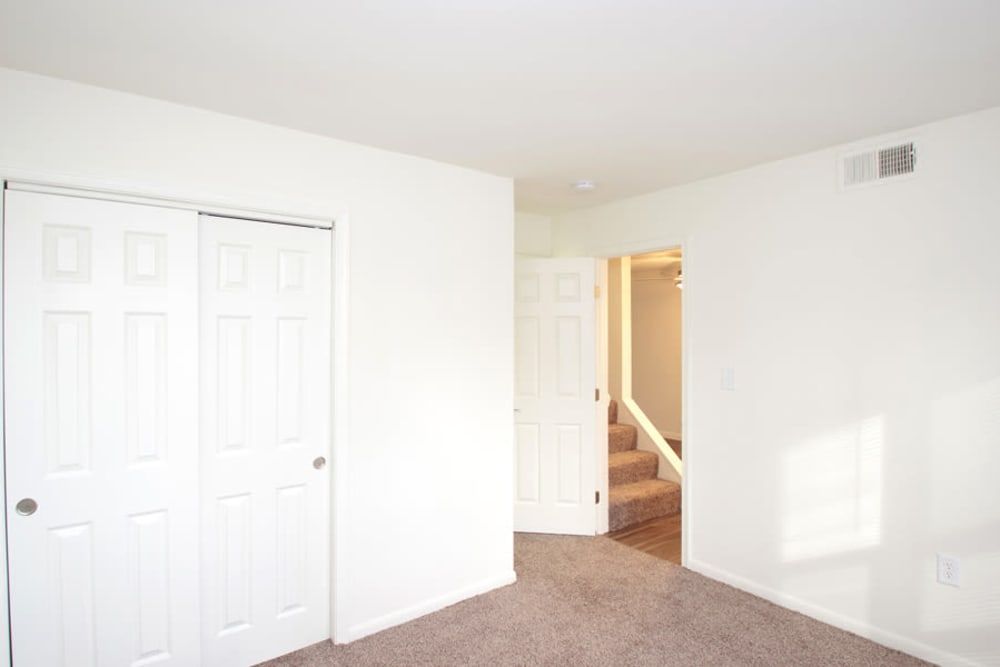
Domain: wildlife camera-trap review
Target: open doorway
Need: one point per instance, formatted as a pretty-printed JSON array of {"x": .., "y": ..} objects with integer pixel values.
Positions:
[
  {"x": 597, "y": 398},
  {"x": 644, "y": 380}
]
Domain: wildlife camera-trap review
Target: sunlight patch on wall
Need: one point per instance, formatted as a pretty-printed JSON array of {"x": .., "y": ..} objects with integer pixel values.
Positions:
[
  {"x": 832, "y": 492},
  {"x": 963, "y": 437}
]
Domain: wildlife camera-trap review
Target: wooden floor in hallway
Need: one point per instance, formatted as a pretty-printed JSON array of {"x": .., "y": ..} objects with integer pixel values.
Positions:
[{"x": 660, "y": 537}]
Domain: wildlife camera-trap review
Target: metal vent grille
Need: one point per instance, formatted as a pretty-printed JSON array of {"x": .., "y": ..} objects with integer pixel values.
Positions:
[
  {"x": 877, "y": 164},
  {"x": 860, "y": 168},
  {"x": 896, "y": 160}
]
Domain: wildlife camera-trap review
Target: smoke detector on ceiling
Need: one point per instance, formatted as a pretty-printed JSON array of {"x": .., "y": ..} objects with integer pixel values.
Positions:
[{"x": 585, "y": 186}]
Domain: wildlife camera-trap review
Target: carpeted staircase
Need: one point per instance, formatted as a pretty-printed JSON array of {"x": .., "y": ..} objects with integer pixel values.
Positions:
[{"x": 634, "y": 492}]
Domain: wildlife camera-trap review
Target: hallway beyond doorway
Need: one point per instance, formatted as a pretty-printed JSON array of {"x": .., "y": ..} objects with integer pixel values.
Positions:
[{"x": 660, "y": 537}]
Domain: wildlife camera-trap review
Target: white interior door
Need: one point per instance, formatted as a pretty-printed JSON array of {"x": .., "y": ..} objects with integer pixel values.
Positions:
[
  {"x": 265, "y": 399},
  {"x": 101, "y": 382},
  {"x": 554, "y": 396}
]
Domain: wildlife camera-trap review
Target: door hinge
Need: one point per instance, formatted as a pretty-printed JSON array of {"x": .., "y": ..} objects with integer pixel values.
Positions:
[
  {"x": 597, "y": 291},
  {"x": 597, "y": 393},
  {"x": 597, "y": 497}
]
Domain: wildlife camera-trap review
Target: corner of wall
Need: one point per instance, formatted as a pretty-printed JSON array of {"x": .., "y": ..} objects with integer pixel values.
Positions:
[
  {"x": 412, "y": 612},
  {"x": 532, "y": 234},
  {"x": 825, "y": 615}
]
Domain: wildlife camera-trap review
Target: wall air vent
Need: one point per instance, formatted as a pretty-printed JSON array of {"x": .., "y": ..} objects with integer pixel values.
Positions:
[
  {"x": 860, "y": 169},
  {"x": 876, "y": 165}
]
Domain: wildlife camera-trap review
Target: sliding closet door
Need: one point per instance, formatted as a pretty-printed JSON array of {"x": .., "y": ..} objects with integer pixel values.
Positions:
[
  {"x": 265, "y": 406},
  {"x": 100, "y": 335}
]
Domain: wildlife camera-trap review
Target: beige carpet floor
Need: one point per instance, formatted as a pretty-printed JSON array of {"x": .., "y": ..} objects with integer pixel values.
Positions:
[{"x": 592, "y": 601}]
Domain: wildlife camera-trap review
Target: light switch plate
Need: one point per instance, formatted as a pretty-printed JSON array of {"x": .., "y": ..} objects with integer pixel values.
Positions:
[{"x": 728, "y": 379}]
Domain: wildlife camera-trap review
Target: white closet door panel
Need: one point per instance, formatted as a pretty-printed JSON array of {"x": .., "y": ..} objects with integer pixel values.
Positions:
[
  {"x": 555, "y": 454},
  {"x": 265, "y": 406},
  {"x": 101, "y": 337}
]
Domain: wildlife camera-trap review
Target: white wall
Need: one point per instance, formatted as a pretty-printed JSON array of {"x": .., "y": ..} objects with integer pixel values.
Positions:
[
  {"x": 656, "y": 351},
  {"x": 863, "y": 436},
  {"x": 615, "y": 331},
  {"x": 426, "y": 514},
  {"x": 532, "y": 234}
]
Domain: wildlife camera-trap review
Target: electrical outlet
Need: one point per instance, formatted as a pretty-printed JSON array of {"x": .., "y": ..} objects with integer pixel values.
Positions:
[{"x": 949, "y": 570}]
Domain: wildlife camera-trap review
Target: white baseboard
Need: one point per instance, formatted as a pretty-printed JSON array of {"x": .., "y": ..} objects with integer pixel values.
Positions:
[
  {"x": 423, "y": 608},
  {"x": 861, "y": 628}
]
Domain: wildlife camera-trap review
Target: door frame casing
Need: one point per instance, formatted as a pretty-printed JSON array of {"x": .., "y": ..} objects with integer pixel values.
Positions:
[
  {"x": 204, "y": 200},
  {"x": 601, "y": 319},
  {"x": 607, "y": 252},
  {"x": 5, "y": 647}
]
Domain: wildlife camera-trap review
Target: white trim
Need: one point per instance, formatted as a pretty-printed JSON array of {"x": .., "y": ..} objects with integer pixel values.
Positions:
[
  {"x": 429, "y": 606},
  {"x": 207, "y": 203},
  {"x": 601, "y": 432},
  {"x": 5, "y": 647},
  {"x": 863, "y": 629},
  {"x": 687, "y": 345},
  {"x": 340, "y": 431},
  {"x": 646, "y": 426}
]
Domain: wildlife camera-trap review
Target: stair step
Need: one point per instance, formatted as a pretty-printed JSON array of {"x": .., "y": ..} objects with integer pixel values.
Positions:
[
  {"x": 631, "y": 466},
  {"x": 621, "y": 437},
  {"x": 634, "y": 503},
  {"x": 613, "y": 412}
]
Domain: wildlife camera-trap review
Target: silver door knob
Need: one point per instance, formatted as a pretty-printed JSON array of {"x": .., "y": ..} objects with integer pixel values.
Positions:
[
  {"x": 319, "y": 462},
  {"x": 26, "y": 506}
]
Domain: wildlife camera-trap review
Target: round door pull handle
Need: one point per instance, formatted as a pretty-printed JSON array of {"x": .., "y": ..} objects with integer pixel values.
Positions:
[
  {"x": 26, "y": 506},
  {"x": 319, "y": 462}
]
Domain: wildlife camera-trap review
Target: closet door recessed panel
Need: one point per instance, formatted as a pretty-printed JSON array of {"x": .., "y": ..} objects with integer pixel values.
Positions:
[
  {"x": 101, "y": 384},
  {"x": 265, "y": 392}
]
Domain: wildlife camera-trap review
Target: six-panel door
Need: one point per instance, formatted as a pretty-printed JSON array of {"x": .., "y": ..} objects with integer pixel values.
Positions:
[
  {"x": 554, "y": 381},
  {"x": 101, "y": 386},
  {"x": 265, "y": 395},
  {"x": 167, "y": 405}
]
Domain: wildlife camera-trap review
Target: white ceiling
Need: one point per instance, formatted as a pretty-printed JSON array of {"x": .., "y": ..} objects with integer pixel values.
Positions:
[
  {"x": 656, "y": 265},
  {"x": 637, "y": 95},
  {"x": 657, "y": 260}
]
